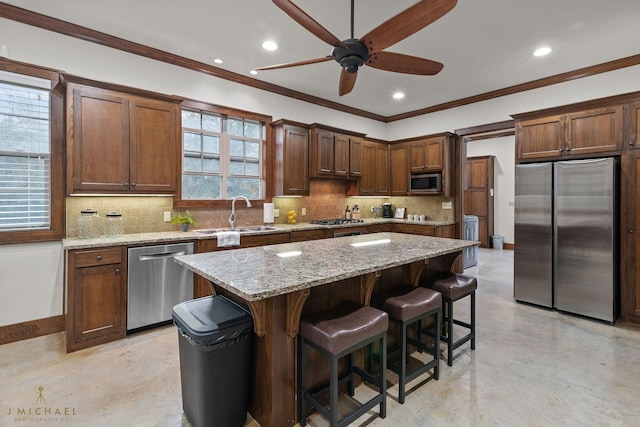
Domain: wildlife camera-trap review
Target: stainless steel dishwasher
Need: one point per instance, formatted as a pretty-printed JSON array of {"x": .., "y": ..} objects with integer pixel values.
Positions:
[{"x": 156, "y": 283}]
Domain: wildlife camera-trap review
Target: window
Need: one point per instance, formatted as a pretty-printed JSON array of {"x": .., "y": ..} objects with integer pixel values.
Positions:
[
  {"x": 28, "y": 182},
  {"x": 223, "y": 156},
  {"x": 24, "y": 157}
]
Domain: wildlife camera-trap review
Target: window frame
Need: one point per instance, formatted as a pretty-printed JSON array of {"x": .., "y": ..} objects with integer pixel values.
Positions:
[
  {"x": 56, "y": 229},
  {"x": 266, "y": 149}
]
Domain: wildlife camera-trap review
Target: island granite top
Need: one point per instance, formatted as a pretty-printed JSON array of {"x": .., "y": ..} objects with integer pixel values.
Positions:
[{"x": 267, "y": 271}]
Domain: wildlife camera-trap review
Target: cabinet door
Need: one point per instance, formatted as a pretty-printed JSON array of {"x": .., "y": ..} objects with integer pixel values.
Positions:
[
  {"x": 630, "y": 244},
  {"x": 399, "y": 170},
  {"x": 368, "y": 180},
  {"x": 355, "y": 157},
  {"x": 540, "y": 138},
  {"x": 418, "y": 156},
  {"x": 99, "y": 141},
  {"x": 341, "y": 156},
  {"x": 154, "y": 145},
  {"x": 632, "y": 130},
  {"x": 594, "y": 131},
  {"x": 295, "y": 169},
  {"x": 478, "y": 198},
  {"x": 96, "y": 300},
  {"x": 382, "y": 169},
  {"x": 435, "y": 155},
  {"x": 321, "y": 153}
]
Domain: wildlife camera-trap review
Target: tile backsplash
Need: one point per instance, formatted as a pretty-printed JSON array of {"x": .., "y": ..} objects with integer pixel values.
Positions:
[{"x": 145, "y": 214}]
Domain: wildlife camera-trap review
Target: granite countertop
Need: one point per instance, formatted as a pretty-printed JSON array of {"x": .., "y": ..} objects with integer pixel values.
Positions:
[
  {"x": 178, "y": 236},
  {"x": 259, "y": 273}
]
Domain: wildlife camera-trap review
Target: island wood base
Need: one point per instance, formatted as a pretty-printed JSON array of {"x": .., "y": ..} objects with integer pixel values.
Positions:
[{"x": 276, "y": 320}]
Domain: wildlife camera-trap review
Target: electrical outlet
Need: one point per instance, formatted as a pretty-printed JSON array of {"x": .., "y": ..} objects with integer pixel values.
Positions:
[
  {"x": 373, "y": 209},
  {"x": 447, "y": 205},
  {"x": 276, "y": 213},
  {"x": 303, "y": 212},
  {"x": 167, "y": 216}
]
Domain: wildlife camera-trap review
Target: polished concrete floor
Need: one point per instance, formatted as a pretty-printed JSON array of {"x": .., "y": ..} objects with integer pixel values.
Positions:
[{"x": 531, "y": 367}]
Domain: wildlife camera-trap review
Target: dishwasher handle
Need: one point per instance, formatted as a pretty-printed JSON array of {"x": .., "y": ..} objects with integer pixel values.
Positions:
[{"x": 160, "y": 256}]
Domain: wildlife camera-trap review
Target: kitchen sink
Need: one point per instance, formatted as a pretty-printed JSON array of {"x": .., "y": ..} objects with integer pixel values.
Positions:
[{"x": 247, "y": 229}]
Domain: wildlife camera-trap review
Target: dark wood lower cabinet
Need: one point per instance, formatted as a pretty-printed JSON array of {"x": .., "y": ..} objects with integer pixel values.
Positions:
[{"x": 96, "y": 297}]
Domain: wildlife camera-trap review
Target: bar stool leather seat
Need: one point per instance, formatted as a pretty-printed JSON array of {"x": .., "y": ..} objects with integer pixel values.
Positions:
[
  {"x": 406, "y": 305},
  {"x": 454, "y": 287},
  {"x": 337, "y": 333}
]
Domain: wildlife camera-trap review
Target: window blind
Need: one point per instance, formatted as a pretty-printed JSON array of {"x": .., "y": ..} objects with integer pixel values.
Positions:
[{"x": 25, "y": 169}]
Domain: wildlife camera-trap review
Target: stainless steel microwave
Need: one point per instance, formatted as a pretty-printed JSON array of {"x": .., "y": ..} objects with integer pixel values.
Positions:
[{"x": 426, "y": 183}]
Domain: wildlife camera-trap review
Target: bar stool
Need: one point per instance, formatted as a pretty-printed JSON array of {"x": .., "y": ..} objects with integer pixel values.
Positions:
[
  {"x": 454, "y": 287},
  {"x": 407, "y": 305},
  {"x": 337, "y": 333}
]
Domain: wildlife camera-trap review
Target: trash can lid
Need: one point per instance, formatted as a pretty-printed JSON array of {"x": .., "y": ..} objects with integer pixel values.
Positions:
[{"x": 209, "y": 320}]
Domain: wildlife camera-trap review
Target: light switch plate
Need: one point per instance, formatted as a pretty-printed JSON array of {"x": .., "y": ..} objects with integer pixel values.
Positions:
[
  {"x": 167, "y": 216},
  {"x": 447, "y": 205},
  {"x": 276, "y": 213},
  {"x": 304, "y": 212}
]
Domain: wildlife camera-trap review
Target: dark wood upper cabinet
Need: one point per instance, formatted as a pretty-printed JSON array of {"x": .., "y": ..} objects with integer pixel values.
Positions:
[
  {"x": 120, "y": 143},
  {"x": 291, "y": 159},
  {"x": 375, "y": 170},
  {"x": 574, "y": 135},
  {"x": 341, "y": 155},
  {"x": 631, "y": 128},
  {"x": 427, "y": 155},
  {"x": 539, "y": 138},
  {"x": 322, "y": 153},
  {"x": 355, "y": 157},
  {"x": 593, "y": 131},
  {"x": 399, "y": 169},
  {"x": 331, "y": 152}
]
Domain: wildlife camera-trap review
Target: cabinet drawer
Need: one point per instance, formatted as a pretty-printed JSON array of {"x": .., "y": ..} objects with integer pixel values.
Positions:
[
  {"x": 94, "y": 257},
  {"x": 424, "y": 230},
  {"x": 304, "y": 235}
]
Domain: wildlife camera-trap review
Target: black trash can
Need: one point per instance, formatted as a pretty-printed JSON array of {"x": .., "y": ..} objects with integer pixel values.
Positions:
[{"x": 215, "y": 335}]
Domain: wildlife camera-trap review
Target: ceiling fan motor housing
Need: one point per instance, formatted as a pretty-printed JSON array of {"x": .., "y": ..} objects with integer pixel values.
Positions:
[{"x": 351, "y": 57}]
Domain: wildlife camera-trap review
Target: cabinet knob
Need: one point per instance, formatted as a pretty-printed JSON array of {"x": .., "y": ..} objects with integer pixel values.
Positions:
[
  {"x": 631, "y": 231},
  {"x": 631, "y": 143},
  {"x": 568, "y": 148},
  {"x": 117, "y": 270},
  {"x": 133, "y": 184},
  {"x": 99, "y": 257},
  {"x": 126, "y": 184}
]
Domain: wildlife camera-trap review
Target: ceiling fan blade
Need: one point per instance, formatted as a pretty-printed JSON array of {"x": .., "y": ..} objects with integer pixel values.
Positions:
[
  {"x": 406, "y": 23},
  {"x": 347, "y": 81},
  {"x": 400, "y": 63},
  {"x": 301, "y": 17},
  {"x": 296, "y": 64}
]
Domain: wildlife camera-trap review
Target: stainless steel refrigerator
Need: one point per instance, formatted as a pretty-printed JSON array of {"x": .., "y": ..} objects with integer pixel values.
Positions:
[{"x": 566, "y": 236}]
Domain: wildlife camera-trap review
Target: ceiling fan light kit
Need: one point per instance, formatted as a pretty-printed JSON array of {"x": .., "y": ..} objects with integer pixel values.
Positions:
[{"x": 353, "y": 53}]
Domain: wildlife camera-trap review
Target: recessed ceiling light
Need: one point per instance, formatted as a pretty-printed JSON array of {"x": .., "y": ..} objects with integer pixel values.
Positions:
[
  {"x": 269, "y": 45},
  {"x": 253, "y": 72},
  {"x": 398, "y": 95},
  {"x": 218, "y": 61},
  {"x": 542, "y": 51}
]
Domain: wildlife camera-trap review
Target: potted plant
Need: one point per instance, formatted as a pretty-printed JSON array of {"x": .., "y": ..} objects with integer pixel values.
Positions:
[{"x": 185, "y": 220}]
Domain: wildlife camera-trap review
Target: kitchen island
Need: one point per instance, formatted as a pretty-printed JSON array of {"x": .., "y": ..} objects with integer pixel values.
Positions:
[{"x": 280, "y": 282}]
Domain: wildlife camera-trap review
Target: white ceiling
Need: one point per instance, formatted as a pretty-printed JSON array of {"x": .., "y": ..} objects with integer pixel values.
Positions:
[{"x": 484, "y": 44}]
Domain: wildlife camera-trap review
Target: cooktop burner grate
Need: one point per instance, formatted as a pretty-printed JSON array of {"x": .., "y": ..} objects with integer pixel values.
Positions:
[{"x": 336, "y": 221}]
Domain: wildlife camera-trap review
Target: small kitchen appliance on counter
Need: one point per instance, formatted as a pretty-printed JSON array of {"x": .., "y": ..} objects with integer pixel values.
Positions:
[{"x": 387, "y": 211}]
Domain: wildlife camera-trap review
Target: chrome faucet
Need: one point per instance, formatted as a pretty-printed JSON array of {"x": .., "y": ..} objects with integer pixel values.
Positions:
[{"x": 232, "y": 218}]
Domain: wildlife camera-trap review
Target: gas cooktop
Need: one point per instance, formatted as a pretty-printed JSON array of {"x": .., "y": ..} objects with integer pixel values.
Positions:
[{"x": 336, "y": 221}]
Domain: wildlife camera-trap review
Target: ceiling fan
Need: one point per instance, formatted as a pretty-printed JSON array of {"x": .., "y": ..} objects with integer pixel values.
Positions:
[{"x": 353, "y": 53}]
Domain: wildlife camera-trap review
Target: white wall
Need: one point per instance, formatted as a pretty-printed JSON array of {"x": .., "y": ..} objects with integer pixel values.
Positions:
[
  {"x": 504, "y": 169},
  {"x": 31, "y": 275},
  {"x": 31, "y": 282}
]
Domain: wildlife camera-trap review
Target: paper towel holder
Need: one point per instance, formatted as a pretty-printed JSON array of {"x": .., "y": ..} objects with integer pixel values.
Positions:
[{"x": 267, "y": 213}]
